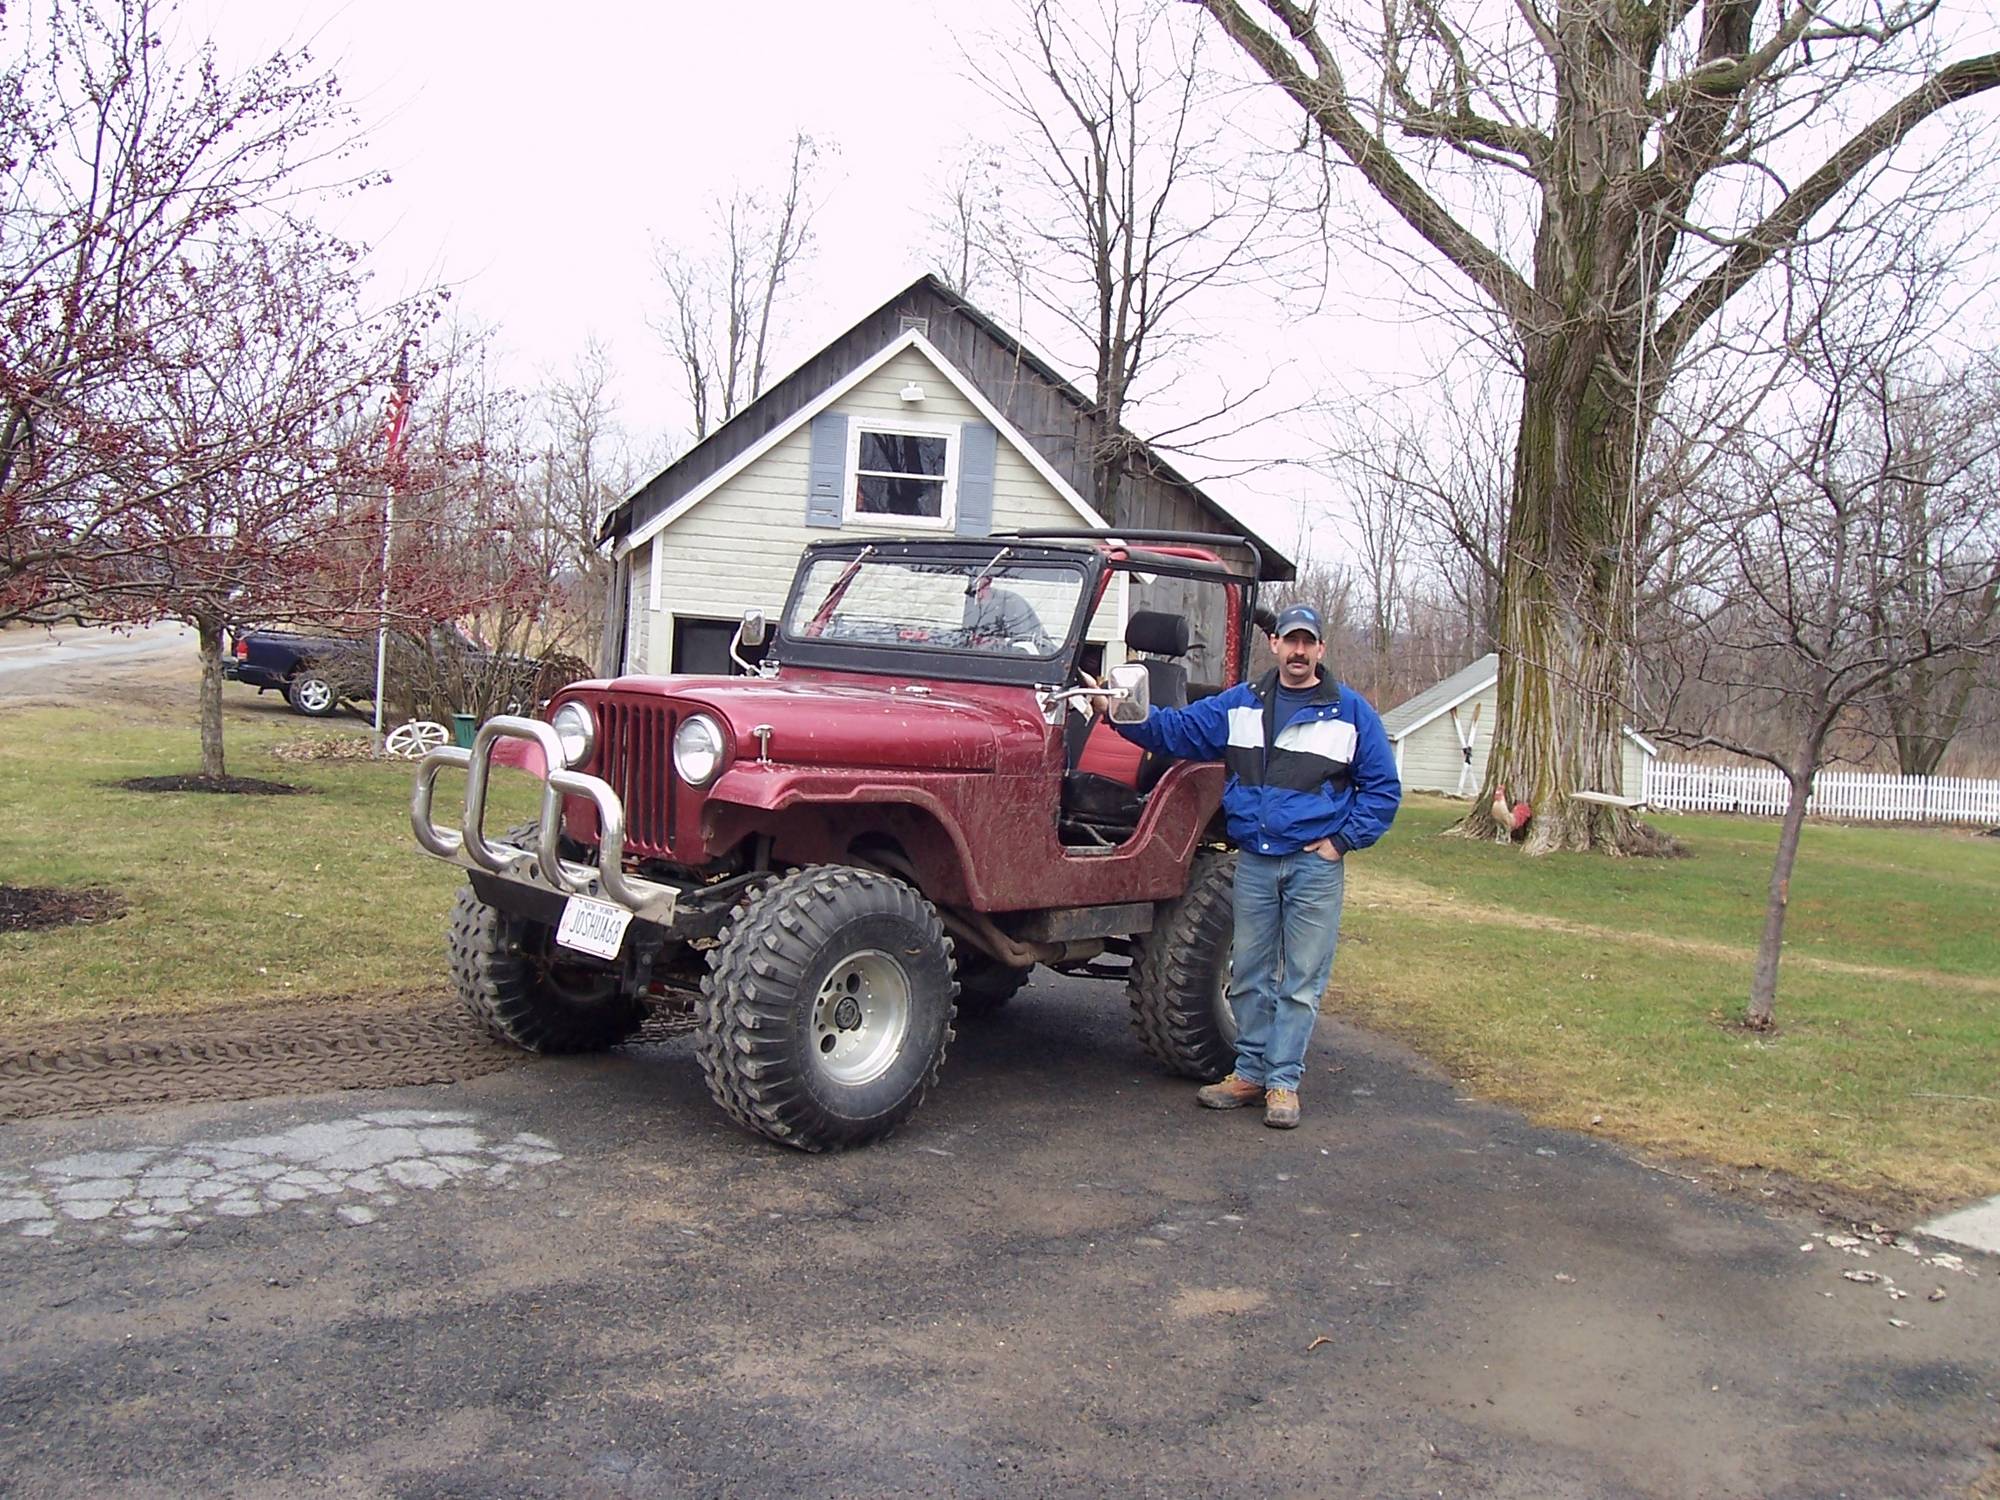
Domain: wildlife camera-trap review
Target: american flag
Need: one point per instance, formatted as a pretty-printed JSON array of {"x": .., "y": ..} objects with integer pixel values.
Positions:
[{"x": 398, "y": 415}]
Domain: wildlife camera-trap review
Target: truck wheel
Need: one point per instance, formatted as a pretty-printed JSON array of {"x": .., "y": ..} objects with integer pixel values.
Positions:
[
  {"x": 985, "y": 985},
  {"x": 312, "y": 693},
  {"x": 827, "y": 1008},
  {"x": 527, "y": 990},
  {"x": 1180, "y": 974}
]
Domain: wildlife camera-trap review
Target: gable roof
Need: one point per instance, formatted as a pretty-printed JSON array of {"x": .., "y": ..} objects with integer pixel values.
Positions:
[
  {"x": 911, "y": 339},
  {"x": 1441, "y": 698},
  {"x": 1468, "y": 682},
  {"x": 1045, "y": 417}
]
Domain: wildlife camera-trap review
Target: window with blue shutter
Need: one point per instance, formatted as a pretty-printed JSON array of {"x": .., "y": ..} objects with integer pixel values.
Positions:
[
  {"x": 978, "y": 444},
  {"x": 827, "y": 470}
]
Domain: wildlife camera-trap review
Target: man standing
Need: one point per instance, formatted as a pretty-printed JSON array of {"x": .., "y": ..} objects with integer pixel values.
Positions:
[{"x": 1312, "y": 778}]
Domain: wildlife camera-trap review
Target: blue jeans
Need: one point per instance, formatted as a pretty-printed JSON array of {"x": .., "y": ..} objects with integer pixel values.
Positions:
[{"x": 1287, "y": 926}]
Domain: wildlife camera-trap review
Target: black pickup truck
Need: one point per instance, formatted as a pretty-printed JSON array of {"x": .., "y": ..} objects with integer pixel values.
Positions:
[
  {"x": 432, "y": 673},
  {"x": 314, "y": 672}
]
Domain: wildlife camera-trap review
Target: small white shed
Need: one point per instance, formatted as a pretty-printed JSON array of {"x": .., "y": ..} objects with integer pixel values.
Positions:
[{"x": 1442, "y": 736}]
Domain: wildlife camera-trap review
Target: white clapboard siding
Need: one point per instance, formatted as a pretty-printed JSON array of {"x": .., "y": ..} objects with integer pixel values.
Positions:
[{"x": 1865, "y": 795}]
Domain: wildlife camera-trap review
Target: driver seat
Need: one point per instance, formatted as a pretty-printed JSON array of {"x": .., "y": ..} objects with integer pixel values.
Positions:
[
  {"x": 1097, "y": 802},
  {"x": 1161, "y": 640}
]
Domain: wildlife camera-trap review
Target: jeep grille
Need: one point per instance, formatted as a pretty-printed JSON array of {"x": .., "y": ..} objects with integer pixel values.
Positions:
[{"x": 635, "y": 754}]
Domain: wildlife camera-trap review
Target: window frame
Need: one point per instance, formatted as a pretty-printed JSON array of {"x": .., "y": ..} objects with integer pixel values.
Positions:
[{"x": 851, "y": 512}]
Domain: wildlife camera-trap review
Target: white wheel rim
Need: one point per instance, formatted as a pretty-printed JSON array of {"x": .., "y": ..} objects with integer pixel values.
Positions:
[
  {"x": 416, "y": 738},
  {"x": 860, "y": 1018},
  {"x": 315, "y": 694}
]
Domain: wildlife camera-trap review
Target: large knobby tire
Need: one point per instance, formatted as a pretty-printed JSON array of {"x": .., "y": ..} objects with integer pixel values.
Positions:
[
  {"x": 525, "y": 989},
  {"x": 312, "y": 692},
  {"x": 827, "y": 1008},
  {"x": 1180, "y": 974},
  {"x": 985, "y": 985}
]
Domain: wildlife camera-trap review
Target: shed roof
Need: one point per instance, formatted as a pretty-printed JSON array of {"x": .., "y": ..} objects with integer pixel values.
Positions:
[
  {"x": 1442, "y": 697},
  {"x": 1468, "y": 682}
]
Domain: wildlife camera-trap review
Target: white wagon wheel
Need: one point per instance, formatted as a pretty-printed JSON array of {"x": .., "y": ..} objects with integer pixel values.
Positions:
[{"x": 417, "y": 738}]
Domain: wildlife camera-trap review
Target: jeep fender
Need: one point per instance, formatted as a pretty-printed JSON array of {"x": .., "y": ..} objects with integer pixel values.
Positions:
[{"x": 819, "y": 815}]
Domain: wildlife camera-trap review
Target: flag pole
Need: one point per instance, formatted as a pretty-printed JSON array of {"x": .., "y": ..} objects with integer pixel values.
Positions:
[
  {"x": 382, "y": 617},
  {"x": 399, "y": 412}
]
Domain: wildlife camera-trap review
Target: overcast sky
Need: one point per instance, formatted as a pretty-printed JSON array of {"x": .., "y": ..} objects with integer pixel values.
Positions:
[{"x": 537, "y": 151}]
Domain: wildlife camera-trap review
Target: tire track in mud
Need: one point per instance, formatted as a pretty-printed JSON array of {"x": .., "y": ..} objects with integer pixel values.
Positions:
[{"x": 250, "y": 1053}]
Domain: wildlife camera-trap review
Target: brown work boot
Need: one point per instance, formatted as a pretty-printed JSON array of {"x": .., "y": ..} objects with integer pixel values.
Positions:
[
  {"x": 1232, "y": 1092},
  {"x": 1281, "y": 1109}
]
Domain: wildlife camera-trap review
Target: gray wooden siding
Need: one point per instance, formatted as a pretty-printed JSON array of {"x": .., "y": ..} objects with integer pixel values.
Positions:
[{"x": 638, "y": 654}]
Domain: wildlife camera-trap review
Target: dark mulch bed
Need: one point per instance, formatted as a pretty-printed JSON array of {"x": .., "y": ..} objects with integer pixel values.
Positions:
[
  {"x": 245, "y": 786},
  {"x": 25, "y": 908}
]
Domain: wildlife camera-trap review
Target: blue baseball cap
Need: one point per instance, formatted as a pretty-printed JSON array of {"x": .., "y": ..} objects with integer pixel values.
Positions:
[{"x": 1298, "y": 617}]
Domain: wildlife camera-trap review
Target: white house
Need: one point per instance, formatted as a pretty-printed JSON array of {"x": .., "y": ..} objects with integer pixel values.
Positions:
[
  {"x": 925, "y": 417},
  {"x": 1442, "y": 736}
]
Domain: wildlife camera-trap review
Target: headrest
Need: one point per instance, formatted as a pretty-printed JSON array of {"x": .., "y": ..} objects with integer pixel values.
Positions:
[{"x": 1157, "y": 633}]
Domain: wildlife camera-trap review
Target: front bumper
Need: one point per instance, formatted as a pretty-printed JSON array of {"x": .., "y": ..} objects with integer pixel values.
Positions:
[{"x": 541, "y": 869}]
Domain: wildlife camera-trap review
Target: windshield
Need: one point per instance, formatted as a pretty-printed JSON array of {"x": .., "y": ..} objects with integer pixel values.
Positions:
[{"x": 991, "y": 604}]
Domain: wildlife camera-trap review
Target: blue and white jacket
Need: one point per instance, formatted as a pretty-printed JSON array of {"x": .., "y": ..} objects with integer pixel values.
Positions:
[{"x": 1327, "y": 772}]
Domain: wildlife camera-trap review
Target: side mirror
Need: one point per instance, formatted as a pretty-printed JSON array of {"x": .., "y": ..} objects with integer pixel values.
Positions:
[
  {"x": 1132, "y": 696},
  {"x": 749, "y": 636}
]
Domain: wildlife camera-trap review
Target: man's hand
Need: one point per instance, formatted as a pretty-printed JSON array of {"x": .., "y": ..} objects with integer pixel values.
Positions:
[
  {"x": 1100, "y": 703},
  {"x": 1326, "y": 849}
]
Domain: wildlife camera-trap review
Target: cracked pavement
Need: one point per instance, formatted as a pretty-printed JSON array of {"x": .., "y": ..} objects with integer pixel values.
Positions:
[{"x": 575, "y": 1278}]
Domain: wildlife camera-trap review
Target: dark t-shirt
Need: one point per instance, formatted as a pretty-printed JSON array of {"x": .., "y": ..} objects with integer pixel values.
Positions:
[{"x": 1291, "y": 700}]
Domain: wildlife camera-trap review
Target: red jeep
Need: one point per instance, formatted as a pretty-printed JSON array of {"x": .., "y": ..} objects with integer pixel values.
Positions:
[{"x": 900, "y": 813}]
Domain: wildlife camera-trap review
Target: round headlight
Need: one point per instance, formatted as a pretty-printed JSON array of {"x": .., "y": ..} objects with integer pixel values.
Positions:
[
  {"x": 698, "y": 750},
  {"x": 577, "y": 732}
]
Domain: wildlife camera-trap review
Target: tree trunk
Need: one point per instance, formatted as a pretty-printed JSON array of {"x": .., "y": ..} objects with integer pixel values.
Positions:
[
  {"x": 208, "y": 633},
  {"x": 1565, "y": 607},
  {"x": 1764, "y": 986}
]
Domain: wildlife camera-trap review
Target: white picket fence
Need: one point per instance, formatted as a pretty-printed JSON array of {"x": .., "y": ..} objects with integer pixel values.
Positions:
[{"x": 1835, "y": 794}]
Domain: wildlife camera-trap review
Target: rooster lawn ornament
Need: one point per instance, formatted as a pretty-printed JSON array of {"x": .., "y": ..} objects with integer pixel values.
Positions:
[{"x": 1507, "y": 821}]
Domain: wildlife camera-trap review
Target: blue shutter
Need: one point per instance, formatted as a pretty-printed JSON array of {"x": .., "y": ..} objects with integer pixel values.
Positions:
[
  {"x": 827, "y": 470},
  {"x": 977, "y": 445}
]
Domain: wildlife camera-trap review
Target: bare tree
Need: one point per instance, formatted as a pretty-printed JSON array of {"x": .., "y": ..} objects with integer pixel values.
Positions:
[
  {"x": 1122, "y": 206},
  {"x": 722, "y": 296},
  {"x": 1862, "y": 549},
  {"x": 129, "y": 167},
  {"x": 1606, "y": 178},
  {"x": 1383, "y": 533},
  {"x": 1946, "y": 460},
  {"x": 974, "y": 247},
  {"x": 585, "y": 471},
  {"x": 268, "y": 368}
]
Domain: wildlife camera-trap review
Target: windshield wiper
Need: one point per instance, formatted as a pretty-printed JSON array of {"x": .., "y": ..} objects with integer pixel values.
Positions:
[
  {"x": 824, "y": 613},
  {"x": 998, "y": 558}
]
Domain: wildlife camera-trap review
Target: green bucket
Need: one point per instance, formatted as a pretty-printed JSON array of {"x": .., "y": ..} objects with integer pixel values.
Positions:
[{"x": 463, "y": 728}]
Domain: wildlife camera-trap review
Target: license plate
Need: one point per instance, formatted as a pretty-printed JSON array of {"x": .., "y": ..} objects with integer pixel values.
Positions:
[{"x": 592, "y": 926}]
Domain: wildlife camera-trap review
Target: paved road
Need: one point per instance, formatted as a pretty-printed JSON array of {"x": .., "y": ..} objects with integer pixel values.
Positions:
[
  {"x": 573, "y": 1278},
  {"x": 50, "y": 654}
]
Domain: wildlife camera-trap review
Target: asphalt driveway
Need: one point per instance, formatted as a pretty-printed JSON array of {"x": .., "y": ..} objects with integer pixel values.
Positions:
[{"x": 573, "y": 1278}]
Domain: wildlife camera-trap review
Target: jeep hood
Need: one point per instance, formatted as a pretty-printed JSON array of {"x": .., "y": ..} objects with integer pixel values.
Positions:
[{"x": 876, "y": 724}]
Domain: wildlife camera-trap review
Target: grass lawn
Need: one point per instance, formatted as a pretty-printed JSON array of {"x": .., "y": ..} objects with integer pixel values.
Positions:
[
  {"x": 1595, "y": 994},
  {"x": 1602, "y": 995},
  {"x": 228, "y": 898}
]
